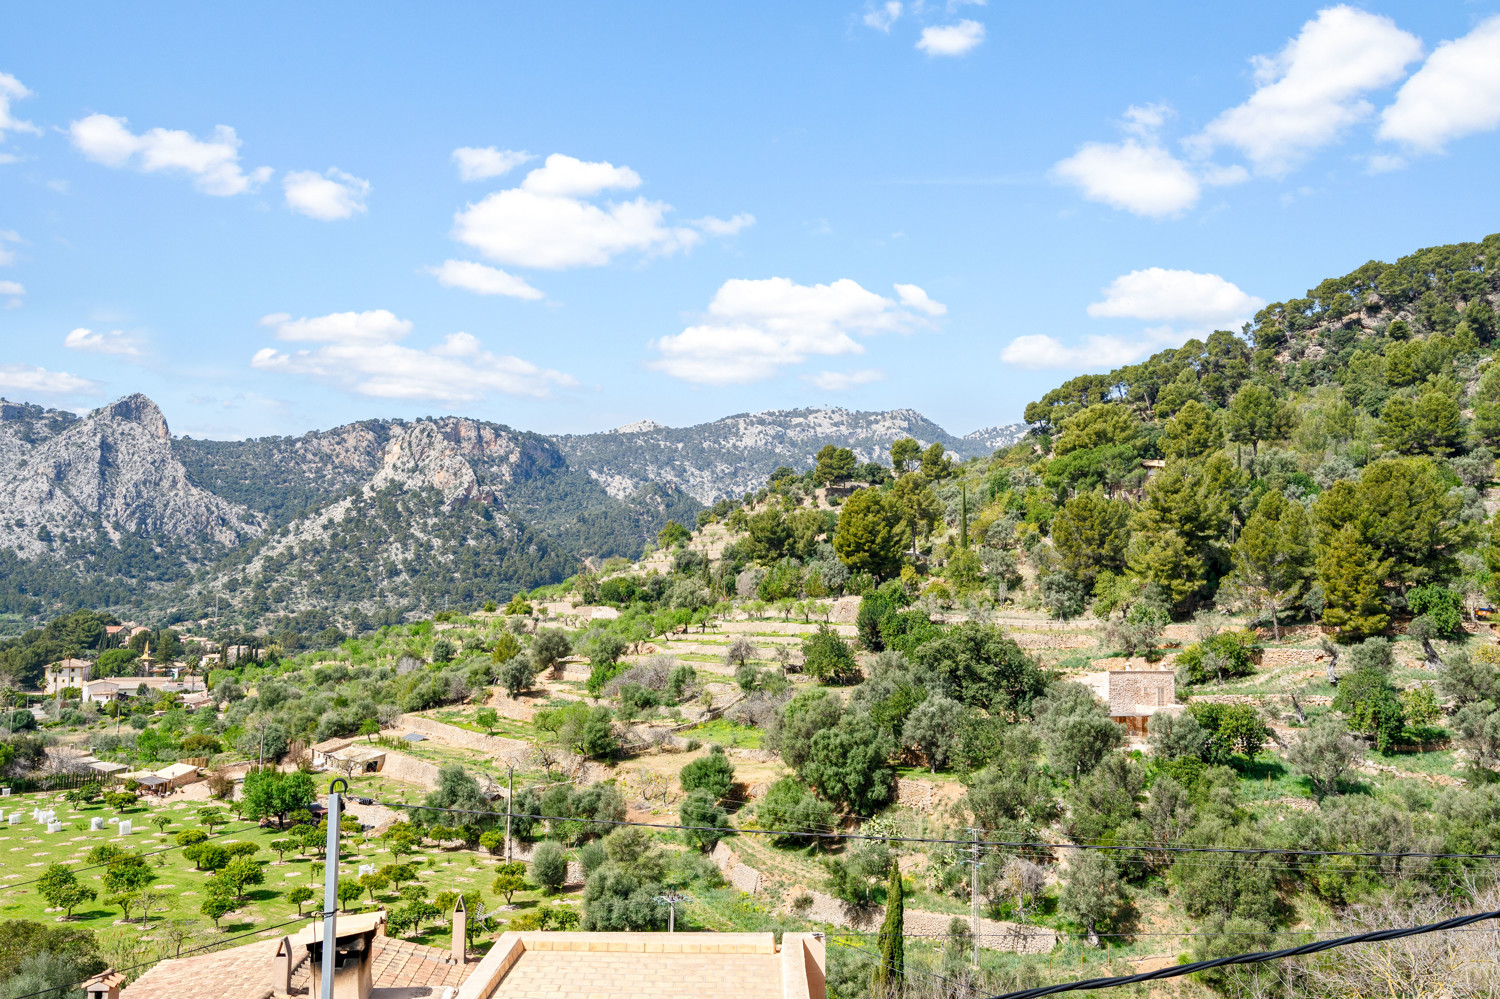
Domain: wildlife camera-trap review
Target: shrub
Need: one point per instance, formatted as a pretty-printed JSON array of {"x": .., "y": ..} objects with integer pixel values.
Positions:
[
  {"x": 711, "y": 772},
  {"x": 1227, "y": 655},
  {"x": 827, "y": 656},
  {"x": 1442, "y": 608},
  {"x": 700, "y": 809},
  {"x": 549, "y": 867},
  {"x": 191, "y": 837},
  {"x": 790, "y": 807}
]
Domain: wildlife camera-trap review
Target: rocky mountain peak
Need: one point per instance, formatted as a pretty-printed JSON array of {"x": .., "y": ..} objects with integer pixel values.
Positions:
[
  {"x": 137, "y": 409},
  {"x": 441, "y": 454},
  {"x": 113, "y": 470}
]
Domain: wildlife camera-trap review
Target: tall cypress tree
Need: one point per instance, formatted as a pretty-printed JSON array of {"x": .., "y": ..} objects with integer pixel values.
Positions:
[{"x": 892, "y": 940}]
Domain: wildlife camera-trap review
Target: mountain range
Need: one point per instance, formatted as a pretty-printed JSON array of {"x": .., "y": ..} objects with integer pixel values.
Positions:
[{"x": 374, "y": 517}]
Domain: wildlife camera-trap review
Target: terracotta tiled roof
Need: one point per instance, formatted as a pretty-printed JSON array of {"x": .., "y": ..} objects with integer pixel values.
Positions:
[{"x": 245, "y": 972}]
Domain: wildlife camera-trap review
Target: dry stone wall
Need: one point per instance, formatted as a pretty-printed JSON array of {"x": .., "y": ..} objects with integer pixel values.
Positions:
[
  {"x": 452, "y": 735},
  {"x": 399, "y": 766},
  {"x": 993, "y": 934}
]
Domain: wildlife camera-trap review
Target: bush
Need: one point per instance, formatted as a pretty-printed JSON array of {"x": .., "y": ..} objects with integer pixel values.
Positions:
[
  {"x": 1227, "y": 655},
  {"x": 549, "y": 867},
  {"x": 1442, "y": 608},
  {"x": 700, "y": 809},
  {"x": 827, "y": 656},
  {"x": 711, "y": 772},
  {"x": 790, "y": 807},
  {"x": 637, "y": 700}
]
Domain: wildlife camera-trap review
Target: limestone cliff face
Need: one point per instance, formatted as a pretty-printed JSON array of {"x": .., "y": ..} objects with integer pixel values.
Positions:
[
  {"x": 465, "y": 460},
  {"x": 112, "y": 470}
]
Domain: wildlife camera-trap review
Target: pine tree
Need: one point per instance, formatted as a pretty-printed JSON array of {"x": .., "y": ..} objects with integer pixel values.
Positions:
[
  {"x": 892, "y": 968},
  {"x": 869, "y": 536},
  {"x": 1194, "y": 431},
  {"x": 1486, "y": 401},
  {"x": 1255, "y": 415},
  {"x": 1274, "y": 553},
  {"x": 1352, "y": 575}
]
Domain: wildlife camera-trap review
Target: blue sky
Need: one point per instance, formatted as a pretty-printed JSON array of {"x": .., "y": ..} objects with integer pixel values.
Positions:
[{"x": 570, "y": 216}]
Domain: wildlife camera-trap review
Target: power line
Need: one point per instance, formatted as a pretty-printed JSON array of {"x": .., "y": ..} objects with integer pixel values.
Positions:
[{"x": 1259, "y": 957}]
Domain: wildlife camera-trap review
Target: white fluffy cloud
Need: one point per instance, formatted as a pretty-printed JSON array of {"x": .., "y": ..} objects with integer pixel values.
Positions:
[
  {"x": 1313, "y": 88},
  {"x": 214, "y": 164},
  {"x": 549, "y": 221},
  {"x": 546, "y": 223},
  {"x": 12, "y": 291},
  {"x": 1455, "y": 93},
  {"x": 359, "y": 352},
  {"x": 724, "y": 227},
  {"x": 1201, "y": 301},
  {"x": 1157, "y": 293},
  {"x": 326, "y": 196},
  {"x": 11, "y": 89},
  {"x": 951, "y": 39},
  {"x": 373, "y": 326},
  {"x": 115, "y": 342},
  {"x": 7, "y": 255},
  {"x": 884, "y": 15},
  {"x": 1135, "y": 175},
  {"x": 29, "y": 378},
  {"x": 843, "y": 381},
  {"x": 479, "y": 163},
  {"x": 482, "y": 280},
  {"x": 914, "y": 297},
  {"x": 1096, "y": 353},
  {"x": 754, "y": 328}
]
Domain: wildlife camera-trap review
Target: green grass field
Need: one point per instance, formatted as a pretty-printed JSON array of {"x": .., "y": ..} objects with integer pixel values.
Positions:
[{"x": 26, "y": 849}]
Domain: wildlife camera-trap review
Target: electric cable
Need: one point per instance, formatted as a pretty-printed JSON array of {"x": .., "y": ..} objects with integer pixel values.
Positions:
[{"x": 1258, "y": 957}]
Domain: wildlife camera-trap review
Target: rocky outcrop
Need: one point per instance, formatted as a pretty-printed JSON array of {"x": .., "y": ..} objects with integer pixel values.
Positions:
[{"x": 112, "y": 470}]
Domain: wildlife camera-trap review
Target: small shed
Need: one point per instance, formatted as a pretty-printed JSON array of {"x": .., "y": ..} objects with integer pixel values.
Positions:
[
  {"x": 179, "y": 774},
  {"x": 358, "y": 759},
  {"x": 153, "y": 784}
]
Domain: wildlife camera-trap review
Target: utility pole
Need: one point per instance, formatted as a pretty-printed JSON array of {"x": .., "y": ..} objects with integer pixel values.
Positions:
[
  {"x": 672, "y": 898},
  {"x": 510, "y": 796},
  {"x": 331, "y": 887},
  {"x": 974, "y": 893}
]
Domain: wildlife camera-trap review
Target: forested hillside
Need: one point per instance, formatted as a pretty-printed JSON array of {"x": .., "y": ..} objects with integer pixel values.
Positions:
[{"x": 1329, "y": 462}]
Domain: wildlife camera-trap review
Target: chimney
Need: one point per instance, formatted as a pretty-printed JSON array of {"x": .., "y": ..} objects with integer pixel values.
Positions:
[
  {"x": 460, "y": 932},
  {"x": 281, "y": 967},
  {"x": 353, "y": 956},
  {"x": 105, "y": 986}
]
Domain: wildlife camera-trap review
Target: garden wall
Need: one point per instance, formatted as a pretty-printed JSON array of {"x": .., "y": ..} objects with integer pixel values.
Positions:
[
  {"x": 451, "y": 735},
  {"x": 993, "y": 934}
]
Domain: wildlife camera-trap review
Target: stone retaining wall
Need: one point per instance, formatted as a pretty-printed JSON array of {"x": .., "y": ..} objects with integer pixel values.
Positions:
[
  {"x": 744, "y": 877},
  {"x": 451, "y": 735},
  {"x": 1276, "y": 658},
  {"x": 993, "y": 934},
  {"x": 399, "y": 766}
]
